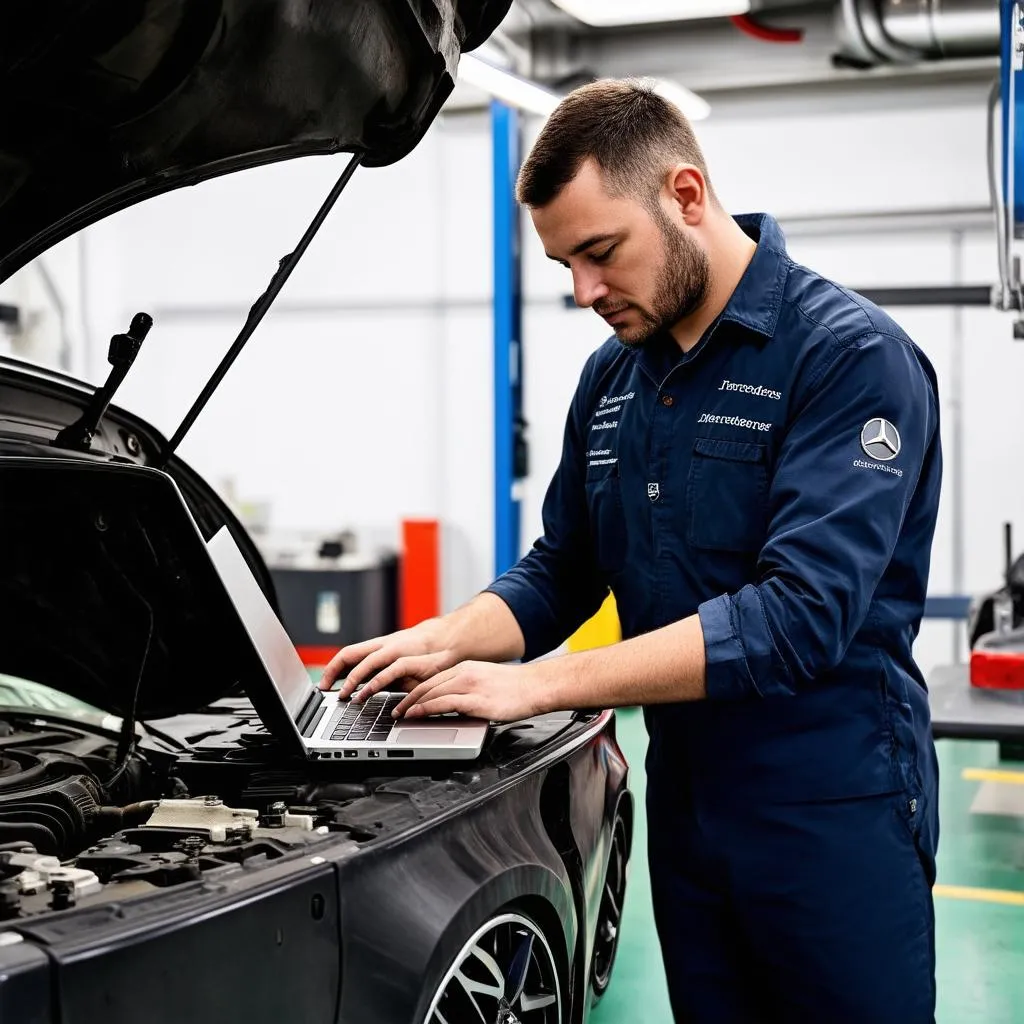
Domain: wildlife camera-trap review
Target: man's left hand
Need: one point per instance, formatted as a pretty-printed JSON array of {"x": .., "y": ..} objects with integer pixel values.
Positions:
[{"x": 479, "y": 689}]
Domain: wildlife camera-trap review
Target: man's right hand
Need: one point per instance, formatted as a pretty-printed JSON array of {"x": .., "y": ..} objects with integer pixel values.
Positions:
[{"x": 399, "y": 660}]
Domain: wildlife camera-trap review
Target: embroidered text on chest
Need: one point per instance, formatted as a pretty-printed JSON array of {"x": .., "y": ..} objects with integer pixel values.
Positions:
[
  {"x": 609, "y": 406},
  {"x": 757, "y": 390}
]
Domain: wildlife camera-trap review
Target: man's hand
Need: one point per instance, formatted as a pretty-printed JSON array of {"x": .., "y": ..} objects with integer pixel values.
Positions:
[
  {"x": 397, "y": 661},
  {"x": 479, "y": 689},
  {"x": 664, "y": 666},
  {"x": 484, "y": 628}
]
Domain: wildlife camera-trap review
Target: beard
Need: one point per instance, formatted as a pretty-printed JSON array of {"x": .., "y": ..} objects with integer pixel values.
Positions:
[{"x": 681, "y": 287}]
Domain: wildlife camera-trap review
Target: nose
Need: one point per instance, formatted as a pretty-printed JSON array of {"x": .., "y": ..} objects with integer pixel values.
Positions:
[{"x": 587, "y": 287}]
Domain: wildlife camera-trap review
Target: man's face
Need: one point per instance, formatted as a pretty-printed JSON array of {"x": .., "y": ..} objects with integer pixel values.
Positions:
[{"x": 637, "y": 269}]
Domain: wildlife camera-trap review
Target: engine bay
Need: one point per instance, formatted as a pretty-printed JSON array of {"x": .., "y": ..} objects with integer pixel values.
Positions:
[
  {"x": 77, "y": 829},
  {"x": 81, "y": 825}
]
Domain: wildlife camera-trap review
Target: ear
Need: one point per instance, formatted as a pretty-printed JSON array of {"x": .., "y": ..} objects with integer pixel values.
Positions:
[{"x": 688, "y": 189}]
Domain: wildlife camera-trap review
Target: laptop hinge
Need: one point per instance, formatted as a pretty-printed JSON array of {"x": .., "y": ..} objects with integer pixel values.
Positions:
[{"x": 309, "y": 709}]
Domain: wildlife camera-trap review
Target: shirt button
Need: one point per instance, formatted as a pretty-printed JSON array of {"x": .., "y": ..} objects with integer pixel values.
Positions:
[{"x": 667, "y": 400}]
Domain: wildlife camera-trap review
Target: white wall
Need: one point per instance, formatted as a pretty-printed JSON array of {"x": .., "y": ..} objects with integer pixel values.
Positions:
[
  {"x": 366, "y": 395},
  {"x": 48, "y": 294}
]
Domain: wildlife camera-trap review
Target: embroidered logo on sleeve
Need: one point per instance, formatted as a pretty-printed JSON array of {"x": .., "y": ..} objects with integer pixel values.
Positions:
[
  {"x": 881, "y": 442},
  {"x": 880, "y": 439}
]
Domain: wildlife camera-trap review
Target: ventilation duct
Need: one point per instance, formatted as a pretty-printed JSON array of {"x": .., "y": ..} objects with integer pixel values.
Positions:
[{"x": 910, "y": 31}]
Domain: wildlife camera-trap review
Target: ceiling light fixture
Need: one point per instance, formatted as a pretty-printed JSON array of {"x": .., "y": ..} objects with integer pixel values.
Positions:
[
  {"x": 506, "y": 86},
  {"x": 602, "y": 13}
]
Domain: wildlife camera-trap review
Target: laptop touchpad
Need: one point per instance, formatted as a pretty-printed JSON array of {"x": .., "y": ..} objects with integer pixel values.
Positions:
[{"x": 426, "y": 735}]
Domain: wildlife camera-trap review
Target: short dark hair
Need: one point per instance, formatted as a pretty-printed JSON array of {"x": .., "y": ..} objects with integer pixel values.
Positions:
[{"x": 633, "y": 134}]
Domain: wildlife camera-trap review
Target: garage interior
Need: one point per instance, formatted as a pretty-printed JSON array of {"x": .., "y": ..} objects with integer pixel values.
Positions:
[{"x": 396, "y": 419}]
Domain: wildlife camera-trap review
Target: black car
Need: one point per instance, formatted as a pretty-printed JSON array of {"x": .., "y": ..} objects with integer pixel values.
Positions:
[{"x": 164, "y": 859}]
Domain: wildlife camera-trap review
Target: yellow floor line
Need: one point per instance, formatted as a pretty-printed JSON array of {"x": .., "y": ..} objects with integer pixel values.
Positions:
[
  {"x": 966, "y": 892},
  {"x": 993, "y": 775}
]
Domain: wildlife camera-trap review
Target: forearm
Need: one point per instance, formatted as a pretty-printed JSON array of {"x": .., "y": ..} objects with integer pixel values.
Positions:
[
  {"x": 664, "y": 666},
  {"x": 484, "y": 629}
]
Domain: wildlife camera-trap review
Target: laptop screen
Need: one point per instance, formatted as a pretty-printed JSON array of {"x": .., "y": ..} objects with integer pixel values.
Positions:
[{"x": 269, "y": 637}]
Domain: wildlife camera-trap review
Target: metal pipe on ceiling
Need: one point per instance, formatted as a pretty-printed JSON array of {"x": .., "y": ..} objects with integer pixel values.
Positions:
[{"x": 908, "y": 31}]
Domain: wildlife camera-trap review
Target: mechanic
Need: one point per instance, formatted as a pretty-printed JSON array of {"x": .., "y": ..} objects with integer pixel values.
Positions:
[{"x": 752, "y": 466}]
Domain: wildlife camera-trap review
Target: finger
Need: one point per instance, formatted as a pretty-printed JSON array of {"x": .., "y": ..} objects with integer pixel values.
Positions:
[
  {"x": 334, "y": 668},
  {"x": 414, "y": 668},
  {"x": 363, "y": 673},
  {"x": 345, "y": 658},
  {"x": 417, "y": 693},
  {"x": 470, "y": 704}
]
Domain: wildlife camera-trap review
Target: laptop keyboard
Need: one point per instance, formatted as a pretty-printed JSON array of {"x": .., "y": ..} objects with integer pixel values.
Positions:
[{"x": 370, "y": 720}]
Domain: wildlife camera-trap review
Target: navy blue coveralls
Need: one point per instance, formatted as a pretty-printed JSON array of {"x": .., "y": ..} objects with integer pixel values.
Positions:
[{"x": 781, "y": 480}]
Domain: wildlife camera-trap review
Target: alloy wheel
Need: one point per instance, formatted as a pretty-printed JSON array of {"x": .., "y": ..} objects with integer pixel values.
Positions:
[{"x": 505, "y": 974}]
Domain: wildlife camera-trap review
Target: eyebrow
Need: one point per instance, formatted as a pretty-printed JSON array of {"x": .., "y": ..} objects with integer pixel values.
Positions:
[{"x": 584, "y": 245}]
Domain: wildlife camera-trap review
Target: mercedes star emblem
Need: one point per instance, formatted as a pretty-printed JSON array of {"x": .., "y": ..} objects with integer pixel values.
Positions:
[{"x": 880, "y": 439}]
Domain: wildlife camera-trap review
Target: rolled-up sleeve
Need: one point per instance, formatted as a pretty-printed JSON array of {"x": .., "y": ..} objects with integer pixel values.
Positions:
[
  {"x": 836, "y": 510},
  {"x": 556, "y": 586}
]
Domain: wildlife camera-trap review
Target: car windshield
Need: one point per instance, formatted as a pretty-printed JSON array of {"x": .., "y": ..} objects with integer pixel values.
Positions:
[{"x": 25, "y": 695}]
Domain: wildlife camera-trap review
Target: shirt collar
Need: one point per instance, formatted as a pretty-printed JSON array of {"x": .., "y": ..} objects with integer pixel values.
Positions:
[
  {"x": 755, "y": 303},
  {"x": 757, "y": 300}
]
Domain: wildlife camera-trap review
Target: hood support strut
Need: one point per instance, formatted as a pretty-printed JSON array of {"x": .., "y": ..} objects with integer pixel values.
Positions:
[
  {"x": 124, "y": 348},
  {"x": 259, "y": 309}
]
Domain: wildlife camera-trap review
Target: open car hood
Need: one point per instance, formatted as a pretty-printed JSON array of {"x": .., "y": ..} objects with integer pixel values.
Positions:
[
  {"x": 106, "y": 102},
  {"x": 105, "y": 593},
  {"x": 108, "y": 593}
]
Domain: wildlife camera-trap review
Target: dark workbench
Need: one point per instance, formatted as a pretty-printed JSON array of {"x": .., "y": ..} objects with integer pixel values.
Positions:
[{"x": 963, "y": 712}]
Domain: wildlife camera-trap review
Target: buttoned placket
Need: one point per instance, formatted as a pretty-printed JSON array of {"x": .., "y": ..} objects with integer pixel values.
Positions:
[{"x": 674, "y": 398}]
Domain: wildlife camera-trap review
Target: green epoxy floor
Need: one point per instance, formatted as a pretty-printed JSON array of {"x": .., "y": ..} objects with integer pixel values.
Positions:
[{"x": 979, "y": 945}]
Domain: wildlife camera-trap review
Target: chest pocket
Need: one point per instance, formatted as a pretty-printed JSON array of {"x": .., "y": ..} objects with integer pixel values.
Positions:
[
  {"x": 607, "y": 518},
  {"x": 727, "y": 495}
]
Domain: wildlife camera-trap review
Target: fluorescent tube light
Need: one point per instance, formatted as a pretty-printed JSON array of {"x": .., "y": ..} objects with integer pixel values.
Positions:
[
  {"x": 505, "y": 86},
  {"x": 695, "y": 107},
  {"x": 601, "y": 13},
  {"x": 526, "y": 95}
]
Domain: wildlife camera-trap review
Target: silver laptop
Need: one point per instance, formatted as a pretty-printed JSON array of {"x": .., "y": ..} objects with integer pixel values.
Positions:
[{"x": 323, "y": 725}]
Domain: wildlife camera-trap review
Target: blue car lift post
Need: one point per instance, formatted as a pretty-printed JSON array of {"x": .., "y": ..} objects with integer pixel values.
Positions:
[
  {"x": 960, "y": 711},
  {"x": 510, "y": 458}
]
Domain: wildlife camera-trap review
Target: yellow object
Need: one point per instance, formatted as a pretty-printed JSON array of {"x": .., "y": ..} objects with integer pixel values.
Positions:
[
  {"x": 993, "y": 775},
  {"x": 601, "y": 630},
  {"x": 966, "y": 892}
]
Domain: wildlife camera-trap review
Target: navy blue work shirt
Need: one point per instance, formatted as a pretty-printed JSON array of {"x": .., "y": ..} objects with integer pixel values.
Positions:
[{"x": 780, "y": 480}]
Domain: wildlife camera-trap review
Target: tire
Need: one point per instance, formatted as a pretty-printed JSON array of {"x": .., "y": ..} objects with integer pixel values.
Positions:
[{"x": 609, "y": 916}]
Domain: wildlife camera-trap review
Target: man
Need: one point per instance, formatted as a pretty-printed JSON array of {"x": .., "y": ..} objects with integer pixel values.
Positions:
[{"x": 752, "y": 465}]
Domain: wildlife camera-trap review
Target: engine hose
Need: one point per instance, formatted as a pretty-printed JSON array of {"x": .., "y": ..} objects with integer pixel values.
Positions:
[
  {"x": 17, "y": 847},
  {"x": 40, "y": 837},
  {"x": 115, "y": 818}
]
